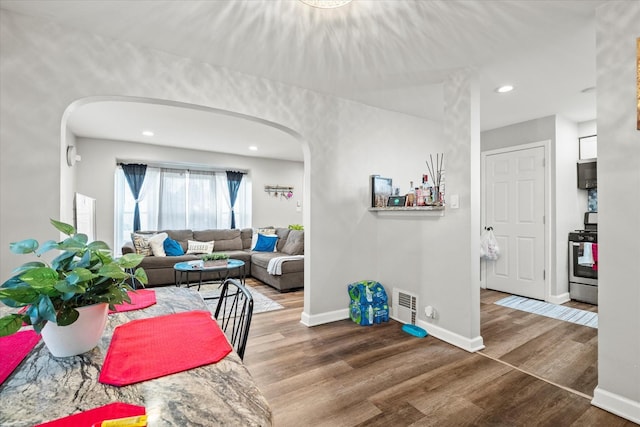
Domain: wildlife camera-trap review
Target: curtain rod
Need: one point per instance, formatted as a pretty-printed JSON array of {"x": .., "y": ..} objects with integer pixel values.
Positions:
[{"x": 186, "y": 166}]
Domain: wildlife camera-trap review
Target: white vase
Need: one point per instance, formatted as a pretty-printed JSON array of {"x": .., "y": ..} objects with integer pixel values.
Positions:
[{"x": 78, "y": 337}]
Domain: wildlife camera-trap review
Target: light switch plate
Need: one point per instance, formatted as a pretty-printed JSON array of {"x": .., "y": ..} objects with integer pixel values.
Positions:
[{"x": 455, "y": 201}]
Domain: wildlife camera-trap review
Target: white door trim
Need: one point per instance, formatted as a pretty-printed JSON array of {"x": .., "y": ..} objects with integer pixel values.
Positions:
[{"x": 547, "y": 209}]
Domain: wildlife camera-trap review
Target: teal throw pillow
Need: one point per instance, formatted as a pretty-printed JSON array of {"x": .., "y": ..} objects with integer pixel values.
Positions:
[
  {"x": 172, "y": 248},
  {"x": 265, "y": 243}
]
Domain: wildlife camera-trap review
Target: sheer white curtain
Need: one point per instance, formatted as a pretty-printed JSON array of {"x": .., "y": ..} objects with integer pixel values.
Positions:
[
  {"x": 124, "y": 205},
  {"x": 172, "y": 207},
  {"x": 150, "y": 194},
  {"x": 202, "y": 200}
]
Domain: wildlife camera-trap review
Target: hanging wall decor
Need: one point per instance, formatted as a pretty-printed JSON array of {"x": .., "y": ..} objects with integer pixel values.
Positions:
[{"x": 282, "y": 191}]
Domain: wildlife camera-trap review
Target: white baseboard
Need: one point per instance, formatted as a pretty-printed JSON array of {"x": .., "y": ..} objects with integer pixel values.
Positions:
[
  {"x": 616, "y": 404},
  {"x": 559, "y": 299},
  {"x": 322, "y": 318},
  {"x": 469, "y": 344}
]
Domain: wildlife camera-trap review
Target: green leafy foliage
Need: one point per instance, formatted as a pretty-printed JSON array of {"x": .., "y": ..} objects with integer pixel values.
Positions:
[
  {"x": 82, "y": 274},
  {"x": 214, "y": 256}
]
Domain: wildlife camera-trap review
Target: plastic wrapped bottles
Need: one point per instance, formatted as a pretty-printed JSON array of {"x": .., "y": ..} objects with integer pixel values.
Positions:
[{"x": 369, "y": 303}]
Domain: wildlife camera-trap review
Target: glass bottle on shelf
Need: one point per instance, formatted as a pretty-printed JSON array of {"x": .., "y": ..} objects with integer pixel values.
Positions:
[
  {"x": 411, "y": 195},
  {"x": 419, "y": 196},
  {"x": 429, "y": 196}
]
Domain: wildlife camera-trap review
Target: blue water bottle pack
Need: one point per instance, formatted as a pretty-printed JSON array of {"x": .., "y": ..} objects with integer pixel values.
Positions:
[{"x": 368, "y": 303}]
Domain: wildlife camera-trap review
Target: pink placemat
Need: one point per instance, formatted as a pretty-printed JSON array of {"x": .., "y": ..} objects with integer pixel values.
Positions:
[
  {"x": 97, "y": 415},
  {"x": 151, "y": 348},
  {"x": 142, "y": 298},
  {"x": 13, "y": 349}
]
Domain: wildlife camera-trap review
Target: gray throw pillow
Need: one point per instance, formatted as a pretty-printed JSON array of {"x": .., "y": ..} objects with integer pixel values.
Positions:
[{"x": 295, "y": 243}]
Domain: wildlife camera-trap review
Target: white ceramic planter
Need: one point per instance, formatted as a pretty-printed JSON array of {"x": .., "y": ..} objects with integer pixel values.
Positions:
[{"x": 79, "y": 337}]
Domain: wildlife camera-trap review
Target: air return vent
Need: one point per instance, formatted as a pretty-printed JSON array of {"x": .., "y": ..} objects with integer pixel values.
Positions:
[{"x": 405, "y": 306}]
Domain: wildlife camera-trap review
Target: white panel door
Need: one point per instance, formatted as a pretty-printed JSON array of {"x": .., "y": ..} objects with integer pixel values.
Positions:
[{"x": 514, "y": 207}]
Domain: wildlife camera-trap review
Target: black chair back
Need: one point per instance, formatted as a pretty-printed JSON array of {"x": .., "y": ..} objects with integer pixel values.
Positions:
[{"x": 234, "y": 312}]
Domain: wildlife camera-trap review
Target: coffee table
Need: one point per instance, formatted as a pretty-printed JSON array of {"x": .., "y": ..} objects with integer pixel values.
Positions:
[{"x": 182, "y": 270}]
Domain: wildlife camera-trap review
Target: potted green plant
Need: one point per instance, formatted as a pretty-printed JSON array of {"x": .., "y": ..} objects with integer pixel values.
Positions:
[
  {"x": 214, "y": 259},
  {"x": 84, "y": 280}
]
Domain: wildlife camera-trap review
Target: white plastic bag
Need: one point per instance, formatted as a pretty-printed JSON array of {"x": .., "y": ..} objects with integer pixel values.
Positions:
[{"x": 489, "y": 245}]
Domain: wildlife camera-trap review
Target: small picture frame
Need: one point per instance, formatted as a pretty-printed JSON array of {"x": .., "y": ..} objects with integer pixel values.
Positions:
[{"x": 396, "y": 201}]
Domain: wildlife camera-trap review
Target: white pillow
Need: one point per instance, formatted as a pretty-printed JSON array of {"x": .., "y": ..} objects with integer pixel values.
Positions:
[
  {"x": 157, "y": 244},
  {"x": 195, "y": 247}
]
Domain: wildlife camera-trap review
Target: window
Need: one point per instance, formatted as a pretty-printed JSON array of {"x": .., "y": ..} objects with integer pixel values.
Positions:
[{"x": 176, "y": 199}]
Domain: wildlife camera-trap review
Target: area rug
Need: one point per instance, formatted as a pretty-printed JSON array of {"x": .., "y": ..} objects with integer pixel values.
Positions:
[
  {"x": 568, "y": 314},
  {"x": 261, "y": 303}
]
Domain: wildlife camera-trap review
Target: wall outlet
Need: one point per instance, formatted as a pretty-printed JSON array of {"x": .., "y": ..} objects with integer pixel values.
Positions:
[{"x": 430, "y": 312}]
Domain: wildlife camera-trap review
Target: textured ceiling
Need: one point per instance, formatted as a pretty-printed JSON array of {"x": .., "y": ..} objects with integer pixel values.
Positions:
[{"x": 389, "y": 54}]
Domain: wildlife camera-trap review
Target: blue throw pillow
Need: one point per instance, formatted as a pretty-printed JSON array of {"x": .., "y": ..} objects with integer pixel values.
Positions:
[
  {"x": 265, "y": 243},
  {"x": 172, "y": 248}
]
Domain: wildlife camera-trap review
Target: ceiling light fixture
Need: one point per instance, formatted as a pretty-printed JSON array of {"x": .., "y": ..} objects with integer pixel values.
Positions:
[
  {"x": 253, "y": 148},
  {"x": 147, "y": 133},
  {"x": 504, "y": 89},
  {"x": 326, "y": 4}
]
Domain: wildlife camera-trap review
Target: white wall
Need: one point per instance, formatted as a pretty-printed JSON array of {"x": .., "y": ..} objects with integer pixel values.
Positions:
[
  {"x": 618, "y": 26},
  {"x": 587, "y": 128},
  {"x": 570, "y": 203},
  {"x": 94, "y": 176},
  {"x": 46, "y": 67}
]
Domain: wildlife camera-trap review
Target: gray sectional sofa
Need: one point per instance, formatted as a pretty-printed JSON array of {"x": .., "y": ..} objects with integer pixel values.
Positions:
[{"x": 237, "y": 244}]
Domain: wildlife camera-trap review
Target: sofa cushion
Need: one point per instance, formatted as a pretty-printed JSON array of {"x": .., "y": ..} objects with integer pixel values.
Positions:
[
  {"x": 141, "y": 243},
  {"x": 282, "y": 234},
  {"x": 295, "y": 243},
  {"x": 246, "y": 235},
  {"x": 172, "y": 247},
  {"x": 181, "y": 236},
  {"x": 261, "y": 260},
  {"x": 167, "y": 262},
  {"x": 225, "y": 240},
  {"x": 265, "y": 243},
  {"x": 197, "y": 247},
  {"x": 157, "y": 244},
  {"x": 266, "y": 230}
]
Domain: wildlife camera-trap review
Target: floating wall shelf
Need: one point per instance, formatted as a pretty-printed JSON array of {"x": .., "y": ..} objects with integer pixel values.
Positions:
[{"x": 409, "y": 211}]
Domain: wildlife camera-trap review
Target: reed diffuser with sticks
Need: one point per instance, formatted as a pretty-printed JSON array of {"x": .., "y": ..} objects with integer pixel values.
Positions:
[{"x": 436, "y": 175}]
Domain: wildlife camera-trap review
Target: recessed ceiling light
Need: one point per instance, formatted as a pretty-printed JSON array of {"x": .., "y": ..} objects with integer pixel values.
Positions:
[
  {"x": 253, "y": 148},
  {"x": 504, "y": 89},
  {"x": 147, "y": 133}
]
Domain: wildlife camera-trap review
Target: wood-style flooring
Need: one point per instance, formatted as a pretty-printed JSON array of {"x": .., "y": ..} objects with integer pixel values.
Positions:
[
  {"x": 560, "y": 352},
  {"x": 343, "y": 374}
]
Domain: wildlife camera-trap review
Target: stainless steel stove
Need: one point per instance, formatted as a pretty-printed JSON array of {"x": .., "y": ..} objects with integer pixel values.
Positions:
[{"x": 583, "y": 261}]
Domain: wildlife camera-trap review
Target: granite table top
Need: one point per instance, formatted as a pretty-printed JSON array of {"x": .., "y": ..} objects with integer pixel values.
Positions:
[{"x": 44, "y": 388}]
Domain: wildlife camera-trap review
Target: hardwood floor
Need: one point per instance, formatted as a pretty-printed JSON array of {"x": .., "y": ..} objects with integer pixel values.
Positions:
[
  {"x": 561, "y": 352},
  {"x": 343, "y": 374}
]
